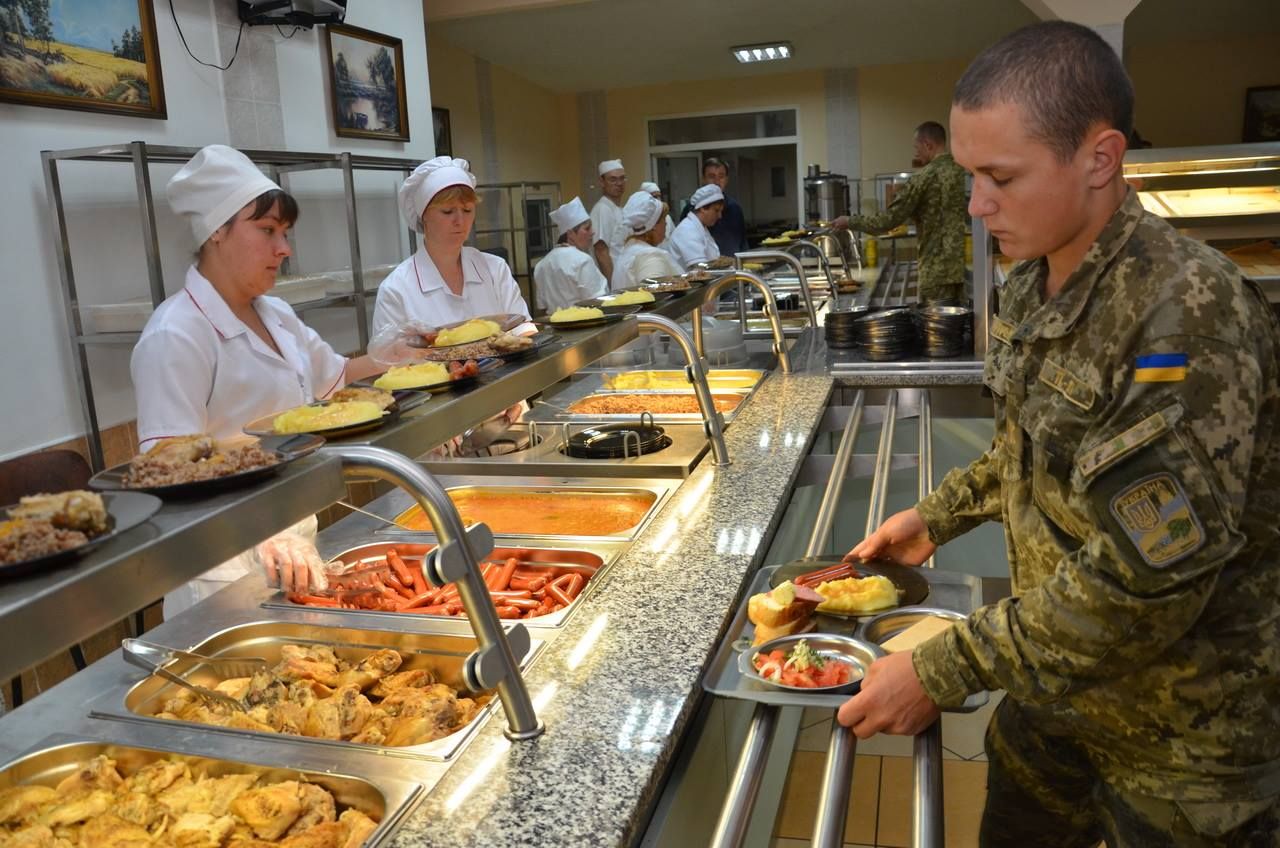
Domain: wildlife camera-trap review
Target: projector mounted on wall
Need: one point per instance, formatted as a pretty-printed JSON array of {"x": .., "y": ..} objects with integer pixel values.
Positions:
[{"x": 299, "y": 13}]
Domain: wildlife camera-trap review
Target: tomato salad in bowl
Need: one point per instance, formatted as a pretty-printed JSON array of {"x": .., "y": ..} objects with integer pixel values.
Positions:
[{"x": 825, "y": 663}]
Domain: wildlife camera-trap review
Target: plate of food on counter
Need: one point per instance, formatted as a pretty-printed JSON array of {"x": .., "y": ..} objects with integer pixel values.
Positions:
[
  {"x": 195, "y": 466},
  {"x": 625, "y": 301},
  {"x": 580, "y": 317},
  {"x": 44, "y": 530},
  {"x": 349, "y": 411},
  {"x": 436, "y": 376},
  {"x": 485, "y": 337}
]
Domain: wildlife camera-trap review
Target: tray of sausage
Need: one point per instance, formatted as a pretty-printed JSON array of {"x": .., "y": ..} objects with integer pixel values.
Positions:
[{"x": 541, "y": 586}]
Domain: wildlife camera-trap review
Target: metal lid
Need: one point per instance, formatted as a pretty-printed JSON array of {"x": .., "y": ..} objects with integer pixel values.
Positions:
[{"x": 618, "y": 441}]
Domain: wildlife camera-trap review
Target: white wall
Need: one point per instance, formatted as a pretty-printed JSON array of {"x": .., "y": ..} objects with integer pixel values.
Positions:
[{"x": 289, "y": 84}]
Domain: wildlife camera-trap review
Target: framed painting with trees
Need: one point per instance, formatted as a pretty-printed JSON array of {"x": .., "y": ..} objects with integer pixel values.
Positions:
[
  {"x": 366, "y": 81},
  {"x": 81, "y": 54}
]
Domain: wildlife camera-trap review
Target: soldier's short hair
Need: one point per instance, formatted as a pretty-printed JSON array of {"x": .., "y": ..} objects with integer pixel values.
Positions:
[
  {"x": 932, "y": 131},
  {"x": 714, "y": 162},
  {"x": 1064, "y": 76}
]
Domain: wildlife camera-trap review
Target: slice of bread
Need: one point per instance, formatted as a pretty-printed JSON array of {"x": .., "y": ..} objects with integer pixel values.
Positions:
[
  {"x": 765, "y": 633},
  {"x": 785, "y": 603}
]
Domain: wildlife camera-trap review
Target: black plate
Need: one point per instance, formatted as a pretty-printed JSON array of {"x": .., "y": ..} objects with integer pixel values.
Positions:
[
  {"x": 603, "y": 303},
  {"x": 126, "y": 510},
  {"x": 912, "y": 588},
  {"x": 264, "y": 426},
  {"x": 487, "y": 364},
  {"x": 540, "y": 340},
  {"x": 607, "y": 318},
  {"x": 286, "y": 449}
]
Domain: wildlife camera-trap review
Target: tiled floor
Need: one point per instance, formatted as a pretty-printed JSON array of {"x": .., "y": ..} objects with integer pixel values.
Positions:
[{"x": 880, "y": 803}]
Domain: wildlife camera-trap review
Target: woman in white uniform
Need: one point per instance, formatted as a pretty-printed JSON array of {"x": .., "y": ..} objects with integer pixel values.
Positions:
[
  {"x": 221, "y": 353},
  {"x": 445, "y": 280},
  {"x": 656, "y": 191},
  {"x": 568, "y": 274},
  {"x": 692, "y": 241},
  {"x": 641, "y": 257}
]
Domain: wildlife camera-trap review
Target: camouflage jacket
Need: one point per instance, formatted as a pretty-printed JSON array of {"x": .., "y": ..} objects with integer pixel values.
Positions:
[
  {"x": 934, "y": 198},
  {"x": 1136, "y": 469}
]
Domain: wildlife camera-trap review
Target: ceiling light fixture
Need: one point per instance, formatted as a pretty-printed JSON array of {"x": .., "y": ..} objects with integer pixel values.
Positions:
[{"x": 771, "y": 52}]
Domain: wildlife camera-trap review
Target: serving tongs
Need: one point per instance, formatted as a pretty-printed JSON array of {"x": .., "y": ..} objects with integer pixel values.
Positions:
[{"x": 156, "y": 659}]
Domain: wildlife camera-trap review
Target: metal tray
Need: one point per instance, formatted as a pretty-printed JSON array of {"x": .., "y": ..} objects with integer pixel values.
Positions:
[
  {"x": 555, "y": 408},
  {"x": 592, "y": 563},
  {"x": 443, "y": 654},
  {"x": 947, "y": 590},
  {"x": 675, "y": 374},
  {"x": 657, "y": 494},
  {"x": 60, "y": 755}
]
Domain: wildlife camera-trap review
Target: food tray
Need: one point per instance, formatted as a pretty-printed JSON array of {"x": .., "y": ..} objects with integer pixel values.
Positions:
[
  {"x": 591, "y": 562},
  {"x": 753, "y": 375},
  {"x": 947, "y": 589},
  {"x": 555, "y": 407},
  {"x": 60, "y": 755},
  {"x": 443, "y": 654}
]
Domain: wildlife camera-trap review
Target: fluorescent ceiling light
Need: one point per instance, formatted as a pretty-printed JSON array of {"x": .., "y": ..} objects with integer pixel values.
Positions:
[{"x": 771, "y": 52}]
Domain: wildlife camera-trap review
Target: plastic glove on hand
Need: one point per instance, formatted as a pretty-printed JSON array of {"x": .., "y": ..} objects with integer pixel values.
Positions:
[
  {"x": 291, "y": 562},
  {"x": 396, "y": 345}
]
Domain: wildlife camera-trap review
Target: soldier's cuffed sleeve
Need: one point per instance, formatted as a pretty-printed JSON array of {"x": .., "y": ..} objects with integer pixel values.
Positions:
[
  {"x": 1162, "y": 479},
  {"x": 900, "y": 210},
  {"x": 966, "y": 498}
]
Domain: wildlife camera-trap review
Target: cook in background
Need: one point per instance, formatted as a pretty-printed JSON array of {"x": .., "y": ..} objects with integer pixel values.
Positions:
[
  {"x": 606, "y": 215},
  {"x": 568, "y": 274},
  {"x": 641, "y": 258},
  {"x": 221, "y": 352},
  {"x": 730, "y": 232},
  {"x": 692, "y": 241},
  {"x": 654, "y": 190},
  {"x": 934, "y": 199},
  {"x": 1136, "y": 468}
]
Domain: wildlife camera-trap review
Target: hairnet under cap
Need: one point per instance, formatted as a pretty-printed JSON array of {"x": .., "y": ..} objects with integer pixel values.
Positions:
[
  {"x": 570, "y": 215},
  {"x": 428, "y": 180},
  {"x": 210, "y": 189},
  {"x": 706, "y": 195},
  {"x": 611, "y": 165},
  {"x": 641, "y": 212}
]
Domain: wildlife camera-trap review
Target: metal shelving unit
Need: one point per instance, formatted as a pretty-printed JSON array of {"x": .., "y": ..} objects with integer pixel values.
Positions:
[
  {"x": 278, "y": 164},
  {"x": 524, "y": 240}
]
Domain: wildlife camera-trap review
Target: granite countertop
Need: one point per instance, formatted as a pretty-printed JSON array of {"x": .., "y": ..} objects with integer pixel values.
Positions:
[{"x": 619, "y": 684}]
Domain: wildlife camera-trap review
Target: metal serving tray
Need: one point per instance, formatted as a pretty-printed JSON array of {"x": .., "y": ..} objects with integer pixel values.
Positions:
[
  {"x": 592, "y": 561},
  {"x": 60, "y": 755},
  {"x": 443, "y": 654},
  {"x": 555, "y": 408},
  {"x": 397, "y": 502},
  {"x": 947, "y": 590}
]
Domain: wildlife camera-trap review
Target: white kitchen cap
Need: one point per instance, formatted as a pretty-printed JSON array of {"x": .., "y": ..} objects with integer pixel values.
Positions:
[
  {"x": 217, "y": 183},
  {"x": 569, "y": 216},
  {"x": 642, "y": 211},
  {"x": 706, "y": 195},
  {"x": 428, "y": 180},
  {"x": 611, "y": 165},
  {"x": 652, "y": 188}
]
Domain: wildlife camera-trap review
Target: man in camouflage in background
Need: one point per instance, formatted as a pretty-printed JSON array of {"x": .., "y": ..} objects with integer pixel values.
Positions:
[
  {"x": 1136, "y": 469},
  {"x": 934, "y": 199}
]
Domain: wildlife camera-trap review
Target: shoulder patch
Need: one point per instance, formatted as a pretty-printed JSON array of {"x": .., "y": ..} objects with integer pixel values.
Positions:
[
  {"x": 1002, "y": 329},
  {"x": 1147, "y": 430},
  {"x": 1157, "y": 517},
  {"x": 1067, "y": 384}
]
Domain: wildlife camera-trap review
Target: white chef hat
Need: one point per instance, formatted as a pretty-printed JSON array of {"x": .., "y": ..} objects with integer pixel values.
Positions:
[
  {"x": 641, "y": 212},
  {"x": 652, "y": 188},
  {"x": 570, "y": 215},
  {"x": 428, "y": 180},
  {"x": 211, "y": 188},
  {"x": 706, "y": 195},
  {"x": 611, "y": 165}
]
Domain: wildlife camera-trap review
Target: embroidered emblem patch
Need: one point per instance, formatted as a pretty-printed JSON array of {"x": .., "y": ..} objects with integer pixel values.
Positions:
[
  {"x": 1157, "y": 517},
  {"x": 1160, "y": 368},
  {"x": 1143, "y": 433},
  {"x": 1066, "y": 384},
  {"x": 1002, "y": 329}
]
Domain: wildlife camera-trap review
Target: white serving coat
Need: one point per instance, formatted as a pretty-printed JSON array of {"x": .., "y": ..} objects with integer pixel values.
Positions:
[
  {"x": 606, "y": 219},
  {"x": 640, "y": 260},
  {"x": 415, "y": 291},
  {"x": 567, "y": 275},
  {"x": 692, "y": 242}
]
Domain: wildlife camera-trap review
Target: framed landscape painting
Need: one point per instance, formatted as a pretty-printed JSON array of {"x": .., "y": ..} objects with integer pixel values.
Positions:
[
  {"x": 96, "y": 55},
  {"x": 366, "y": 81}
]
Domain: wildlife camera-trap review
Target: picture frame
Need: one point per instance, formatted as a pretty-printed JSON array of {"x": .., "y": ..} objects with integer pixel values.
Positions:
[
  {"x": 442, "y": 130},
  {"x": 1261, "y": 113},
  {"x": 367, "y": 84},
  {"x": 82, "y": 55}
]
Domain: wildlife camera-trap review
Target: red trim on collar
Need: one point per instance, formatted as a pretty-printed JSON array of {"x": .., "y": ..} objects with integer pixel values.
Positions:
[
  {"x": 416, "y": 274},
  {"x": 336, "y": 381},
  {"x": 205, "y": 314}
]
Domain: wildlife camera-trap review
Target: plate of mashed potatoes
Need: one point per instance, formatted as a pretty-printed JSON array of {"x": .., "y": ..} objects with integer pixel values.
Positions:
[{"x": 576, "y": 317}]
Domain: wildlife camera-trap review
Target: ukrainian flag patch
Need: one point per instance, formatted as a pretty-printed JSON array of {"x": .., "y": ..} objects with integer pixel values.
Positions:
[{"x": 1161, "y": 368}]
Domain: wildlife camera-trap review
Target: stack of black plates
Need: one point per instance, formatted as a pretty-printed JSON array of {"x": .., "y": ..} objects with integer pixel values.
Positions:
[
  {"x": 840, "y": 328},
  {"x": 944, "y": 329},
  {"x": 886, "y": 335}
]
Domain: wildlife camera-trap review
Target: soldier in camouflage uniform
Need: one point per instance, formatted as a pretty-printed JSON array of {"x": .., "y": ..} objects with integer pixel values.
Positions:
[
  {"x": 1136, "y": 470},
  {"x": 934, "y": 199}
]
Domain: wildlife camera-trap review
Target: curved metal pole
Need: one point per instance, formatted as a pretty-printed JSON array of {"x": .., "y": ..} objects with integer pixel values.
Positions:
[
  {"x": 781, "y": 256},
  {"x": 770, "y": 309},
  {"x": 496, "y": 662},
  {"x": 835, "y": 481},
  {"x": 927, "y": 828},
  {"x": 822, "y": 262},
  {"x": 744, "y": 786},
  {"x": 712, "y": 419}
]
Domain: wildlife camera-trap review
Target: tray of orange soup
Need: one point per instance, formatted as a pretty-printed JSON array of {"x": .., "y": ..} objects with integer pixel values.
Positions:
[{"x": 569, "y": 511}]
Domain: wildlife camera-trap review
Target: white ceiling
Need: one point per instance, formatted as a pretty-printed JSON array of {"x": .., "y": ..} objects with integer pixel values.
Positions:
[{"x": 606, "y": 44}]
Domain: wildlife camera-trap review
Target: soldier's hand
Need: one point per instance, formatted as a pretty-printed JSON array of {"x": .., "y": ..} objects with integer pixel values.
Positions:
[
  {"x": 891, "y": 701},
  {"x": 903, "y": 538},
  {"x": 841, "y": 223}
]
